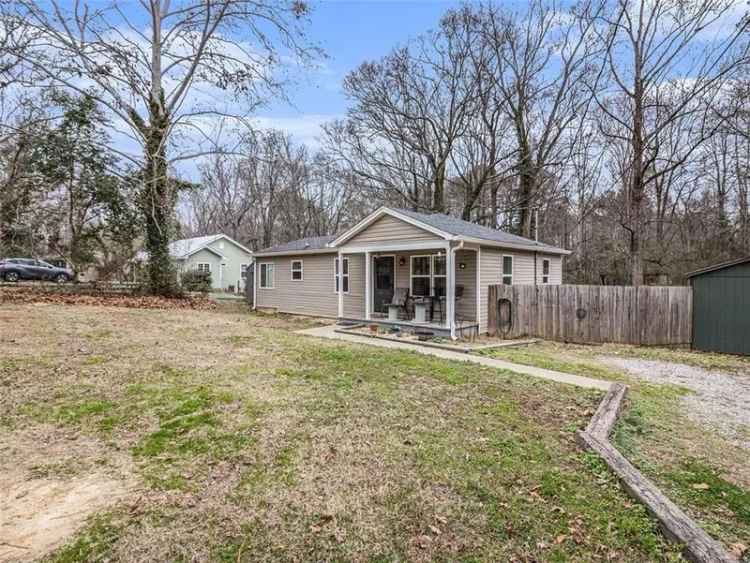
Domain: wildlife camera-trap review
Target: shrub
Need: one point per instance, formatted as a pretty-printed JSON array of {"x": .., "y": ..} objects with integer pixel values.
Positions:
[{"x": 193, "y": 280}]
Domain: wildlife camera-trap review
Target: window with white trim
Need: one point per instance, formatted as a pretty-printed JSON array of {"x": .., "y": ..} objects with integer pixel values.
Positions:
[
  {"x": 428, "y": 275},
  {"x": 439, "y": 275},
  {"x": 296, "y": 270},
  {"x": 243, "y": 271},
  {"x": 421, "y": 275},
  {"x": 266, "y": 275},
  {"x": 204, "y": 267},
  {"x": 345, "y": 277},
  {"x": 545, "y": 271},
  {"x": 507, "y": 270}
]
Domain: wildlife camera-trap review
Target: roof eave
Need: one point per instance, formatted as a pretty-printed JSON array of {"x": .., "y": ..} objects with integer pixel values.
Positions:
[
  {"x": 516, "y": 246},
  {"x": 717, "y": 267},
  {"x": 204, "y": 247},
  {"x": 294, "y": 252}
]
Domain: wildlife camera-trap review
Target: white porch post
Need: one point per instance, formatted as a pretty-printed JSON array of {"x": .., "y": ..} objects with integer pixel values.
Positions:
[
  {"x": 450, "y": 291},
  {"x": 368, "y": 290},
  {"x": 341, "y": 285},
  {"x": 478, "y": 316}
]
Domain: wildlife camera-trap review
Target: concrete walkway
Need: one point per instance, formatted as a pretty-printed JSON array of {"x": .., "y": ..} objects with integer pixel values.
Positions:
[{"x": 579, "y": 380}]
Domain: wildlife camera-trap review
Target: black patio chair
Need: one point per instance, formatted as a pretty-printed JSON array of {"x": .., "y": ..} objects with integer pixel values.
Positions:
[{"x": 440, "y": 303}]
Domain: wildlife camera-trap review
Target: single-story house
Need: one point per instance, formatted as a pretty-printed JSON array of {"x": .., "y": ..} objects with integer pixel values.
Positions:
[
  {"x": 440, "y": 260},
  {"x": 225, "y": 258}
]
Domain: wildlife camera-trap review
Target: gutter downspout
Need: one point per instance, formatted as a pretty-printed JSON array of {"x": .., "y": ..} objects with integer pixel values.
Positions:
[{"x": 453, "y": 282}]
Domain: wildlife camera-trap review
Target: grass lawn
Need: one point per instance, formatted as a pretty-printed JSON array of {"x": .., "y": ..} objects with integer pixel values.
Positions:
[
  {"x": 240, "y": 440},
  {"x": 699, "y": 469}
]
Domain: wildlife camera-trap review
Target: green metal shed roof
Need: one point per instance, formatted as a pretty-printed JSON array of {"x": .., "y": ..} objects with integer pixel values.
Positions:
[{"x": 720, "y": 266}]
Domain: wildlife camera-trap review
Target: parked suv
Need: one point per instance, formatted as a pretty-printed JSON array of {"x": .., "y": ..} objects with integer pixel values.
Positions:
[{"x": 14, "y": 269}]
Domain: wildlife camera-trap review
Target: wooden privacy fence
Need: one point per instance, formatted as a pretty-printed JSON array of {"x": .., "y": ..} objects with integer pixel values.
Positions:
[{"x": 591, "y": 313}]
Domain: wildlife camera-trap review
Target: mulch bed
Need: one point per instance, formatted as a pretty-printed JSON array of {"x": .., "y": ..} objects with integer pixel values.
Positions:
[{"x": 28, "y": 295}]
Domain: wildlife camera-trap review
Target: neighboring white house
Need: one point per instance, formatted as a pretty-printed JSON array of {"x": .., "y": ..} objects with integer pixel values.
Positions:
[{"x": 225, "y": 258}]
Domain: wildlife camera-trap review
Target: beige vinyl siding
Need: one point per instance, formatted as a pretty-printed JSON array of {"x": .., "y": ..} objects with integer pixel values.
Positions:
[
  {"x": 388, "y": 229},
  {"x": 555, "y": 268},
  {"x": 523, "y": 273},
  {"x": 354, "y": 301},
  {"x": 467, "y": 305},
  {"x": 491, "y": 273},
  {"x": 523, "y": 268},
  {"x": 316, "y": 293}
]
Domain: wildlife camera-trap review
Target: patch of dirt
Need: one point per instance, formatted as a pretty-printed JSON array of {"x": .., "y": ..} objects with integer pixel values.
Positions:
[
  {"x": 51, "y": 480},
  {"x": 40, "y": 514},
  {"x": 719, "y": 399}
]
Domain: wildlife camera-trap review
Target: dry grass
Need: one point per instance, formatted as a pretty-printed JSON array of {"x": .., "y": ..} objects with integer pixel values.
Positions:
[
  {"x": 246, "y": 441},
  {"x": 695, "y": 464}
]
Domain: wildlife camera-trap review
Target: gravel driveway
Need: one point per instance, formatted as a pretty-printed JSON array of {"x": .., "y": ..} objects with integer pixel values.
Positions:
[{"x": 720, "y": 399}]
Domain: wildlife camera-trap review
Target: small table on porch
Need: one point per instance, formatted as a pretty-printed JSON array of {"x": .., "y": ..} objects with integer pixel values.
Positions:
[
  {"x": 421, "y": 309},
  {"x": 393, "y": 312}
]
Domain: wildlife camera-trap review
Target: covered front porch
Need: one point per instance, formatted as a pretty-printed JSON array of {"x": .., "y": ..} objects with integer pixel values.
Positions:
[{"x": 419, "y": 286}]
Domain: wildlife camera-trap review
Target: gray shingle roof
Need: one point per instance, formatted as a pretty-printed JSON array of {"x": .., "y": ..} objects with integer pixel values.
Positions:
[
  {"x": 446, "y": 223},
  {"x": 309, "y": 243},
  {"x": 459, "y": 227}
]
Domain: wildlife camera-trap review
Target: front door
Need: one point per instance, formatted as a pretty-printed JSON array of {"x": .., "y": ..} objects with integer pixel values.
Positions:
[{"x": 383, "y": 269}]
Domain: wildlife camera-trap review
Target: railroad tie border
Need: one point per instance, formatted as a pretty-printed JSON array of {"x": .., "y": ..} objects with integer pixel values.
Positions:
[{"x": 699, "y": 547}]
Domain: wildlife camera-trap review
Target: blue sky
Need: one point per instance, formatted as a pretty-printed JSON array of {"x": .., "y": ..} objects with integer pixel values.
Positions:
[{"x": 350, "y": 32}]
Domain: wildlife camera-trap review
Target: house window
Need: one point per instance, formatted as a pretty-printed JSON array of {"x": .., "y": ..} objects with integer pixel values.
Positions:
[
  {"x": 421, "y": 274},
  {"x": 345, "y": 277},
  {"x": 243, "y": 271},
  {"x": 507, "y": 270},
  {"x": 428, "y": 275},
  {"x": 438, "y": 276},
  {"x": 545, "y": 271},
  {"x": 204, "y": 267},
  {"x": 296, "y": 270},
  {"x": 266, "y": 276}
]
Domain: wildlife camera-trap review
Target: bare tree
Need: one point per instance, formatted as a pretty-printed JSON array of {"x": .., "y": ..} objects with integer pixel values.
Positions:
[
  {"x": 661, "y": 70},
  {"x": 543, "y": 61},
  {"x": 412, "y": 106},
  {"x": 145, "y": 74}
]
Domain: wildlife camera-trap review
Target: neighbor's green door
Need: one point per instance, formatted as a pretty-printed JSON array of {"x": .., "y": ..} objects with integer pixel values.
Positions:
[{"x": 721, "y": 310}]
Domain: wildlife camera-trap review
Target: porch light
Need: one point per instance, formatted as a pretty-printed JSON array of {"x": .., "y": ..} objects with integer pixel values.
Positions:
[
  {"x": 462, "y": 266},
  {"x": 401, "y": 261}
]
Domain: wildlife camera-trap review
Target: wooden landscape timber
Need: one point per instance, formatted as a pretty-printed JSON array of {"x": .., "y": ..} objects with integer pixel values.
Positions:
[
  {"x": 699, "y": 547},
  {"x": 644, "y": 315}
]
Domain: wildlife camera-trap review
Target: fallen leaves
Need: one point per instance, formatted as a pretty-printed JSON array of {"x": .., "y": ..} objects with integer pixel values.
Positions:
[
  {"x": 701, "y": 486},
  {"x": 31, "y": 295}
]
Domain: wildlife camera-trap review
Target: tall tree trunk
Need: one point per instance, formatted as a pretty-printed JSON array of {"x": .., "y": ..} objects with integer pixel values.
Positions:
[
  {"x": 637, "y": 181},
  {"x": 438, "y": 195},
  {"x": 158, "y": 203},
  {"x": 158, "y": 198},
  {"x": 526, "y": 184},
  {"x": 526, "y": 189},
  {"x": 495, "y": 210}
]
